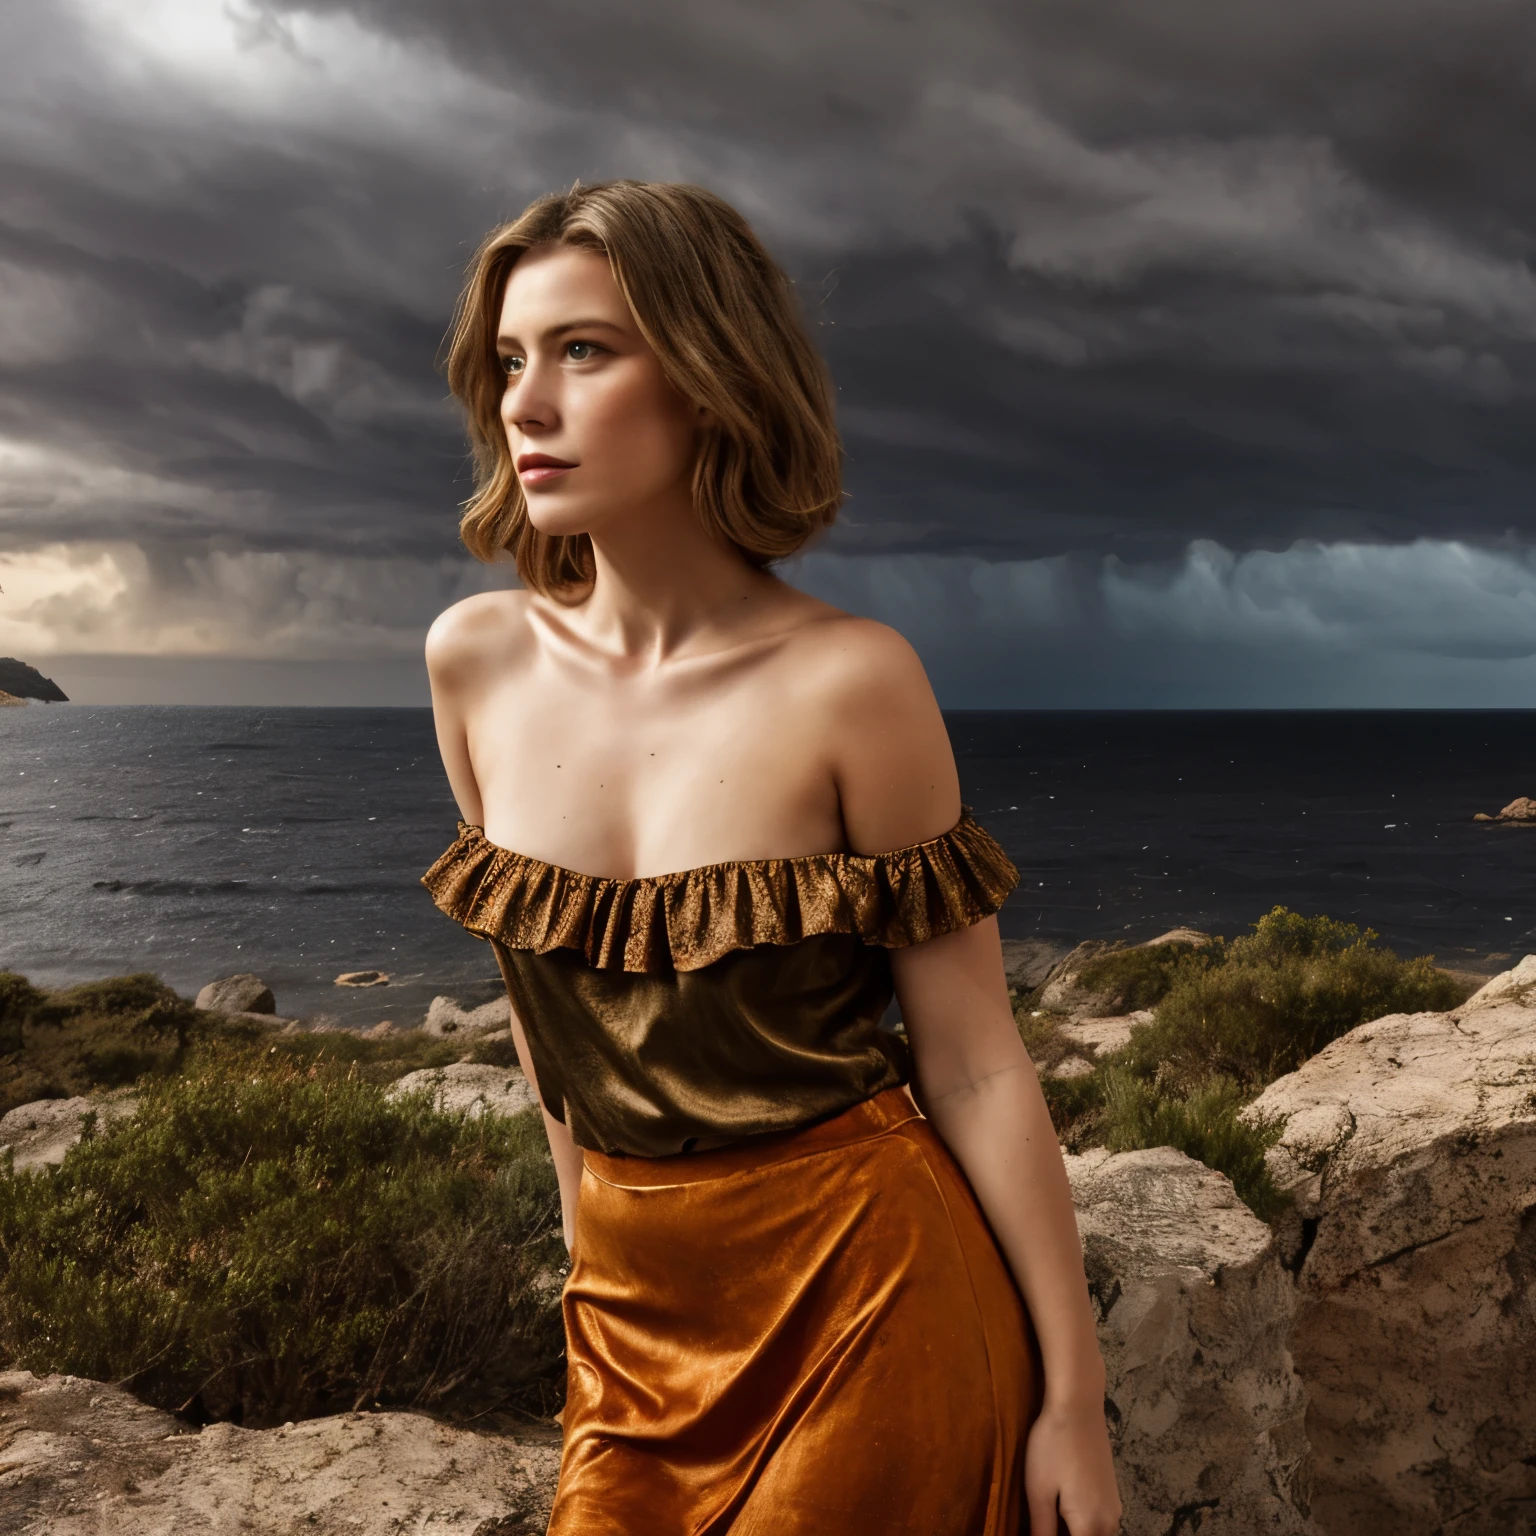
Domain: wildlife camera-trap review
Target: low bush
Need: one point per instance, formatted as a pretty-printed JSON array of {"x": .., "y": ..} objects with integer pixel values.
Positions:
[
  {"x": 266, "y": 1240},
  {"x": 1204, "y": 1124},
  {"x": 377, "y": 1059},
  {"x": 1142, "y": 977},
  {"x": 106, "y": 1034},
  {"x": 1044, "y": 1038},
  {"x": 1231, "y": 1018},
  {"x": 101, "y": 1034},
  {"x": 1264, "y": 1004}
]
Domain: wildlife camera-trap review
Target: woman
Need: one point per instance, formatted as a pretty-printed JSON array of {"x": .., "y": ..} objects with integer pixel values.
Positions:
[{"x": 708, "y": 824}]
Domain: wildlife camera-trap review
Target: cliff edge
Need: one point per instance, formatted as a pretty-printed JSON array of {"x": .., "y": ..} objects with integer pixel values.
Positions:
[{"x": 25, "y": 682}]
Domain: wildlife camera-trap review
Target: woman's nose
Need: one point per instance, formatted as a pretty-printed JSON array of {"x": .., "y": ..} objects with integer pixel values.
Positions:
[{"x": 529, "y": 398}]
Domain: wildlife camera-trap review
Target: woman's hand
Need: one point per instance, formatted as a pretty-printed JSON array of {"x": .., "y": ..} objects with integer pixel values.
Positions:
[{"x": 1068, "y": 1472}]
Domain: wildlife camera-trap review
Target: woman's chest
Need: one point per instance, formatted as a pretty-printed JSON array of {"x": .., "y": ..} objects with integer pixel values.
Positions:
[{"x": 624, "y": 786}]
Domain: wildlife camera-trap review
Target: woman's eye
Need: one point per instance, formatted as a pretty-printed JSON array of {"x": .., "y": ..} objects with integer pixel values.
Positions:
[
  {"x": 511, "y": 363},
  {"x": 580, "y": 351}
]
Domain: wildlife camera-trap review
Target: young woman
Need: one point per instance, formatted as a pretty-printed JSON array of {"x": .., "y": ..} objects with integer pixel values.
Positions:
[{"x": 708, "y": 825}]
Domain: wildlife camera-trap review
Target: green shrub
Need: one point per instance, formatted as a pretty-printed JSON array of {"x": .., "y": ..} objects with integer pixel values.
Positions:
[
  {"x": 105, "y": 1034},
  {"x": 265, "y": 1240},
  {"x": 1203, "y": 1124},
  {"x": 1266, "y": 1003},
  {"x": 18, "y": 999},
  {"x": 1077, "y": 1109},
  {"x": 379, "y": 1059},
  {"x": 1234, "y": 1016},
  {"x": 496, "y": 1050},
  {"x": 101, "y": 1034},
  {"x": 1133, "y": 979},
  {"x": 1043, "y": 1038}
]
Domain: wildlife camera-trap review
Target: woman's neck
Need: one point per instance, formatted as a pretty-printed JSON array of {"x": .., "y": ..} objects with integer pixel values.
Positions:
[{"x": 663, "y": 585}]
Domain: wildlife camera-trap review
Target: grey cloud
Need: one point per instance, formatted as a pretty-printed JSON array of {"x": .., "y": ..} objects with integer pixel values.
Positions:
[
  {"x": 1094, "y": 279},
  {"x": 1329, "y": 623}
]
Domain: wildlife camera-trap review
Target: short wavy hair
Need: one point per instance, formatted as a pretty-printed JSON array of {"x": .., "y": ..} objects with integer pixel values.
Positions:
[{"x": 721, "y": 316}]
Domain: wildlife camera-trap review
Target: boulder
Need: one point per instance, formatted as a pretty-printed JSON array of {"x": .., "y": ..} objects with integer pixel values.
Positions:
[
  {"x": 1073, "y": 1046},
  {"x": 1062, "y": 993},
  {"x": 1521, "y": 809},
  {"x": 470, "y": 1087},
  {"x": 241, "y": 993},
  {"x": 40, "y": 1133},
  {"x": 84, "y": 1457},
  {"x": 1193, "y": 1304},
  {"x": 9, "y": 698},
  {"x": 1094, "y": 1037},
  {"x": 1410, "y": 1148},
  {"x": 446, "y": 1017},
  {"x": 1066, "y": 1067},
  {"x": 363, "y": 979},
  {"x": 1027, "y": 962}
]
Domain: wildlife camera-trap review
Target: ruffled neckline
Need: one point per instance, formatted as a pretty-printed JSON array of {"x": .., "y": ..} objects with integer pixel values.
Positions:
[{"x": 689, "y": 918}]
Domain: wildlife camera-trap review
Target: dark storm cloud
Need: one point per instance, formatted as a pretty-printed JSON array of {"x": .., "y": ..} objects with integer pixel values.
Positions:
[
  {"x": 1100, "y": 279},
  {"x": 1115, "y": 271}
]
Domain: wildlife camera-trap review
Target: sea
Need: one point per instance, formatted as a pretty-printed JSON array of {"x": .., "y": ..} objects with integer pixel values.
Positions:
[{"x": 193, "y": 842}]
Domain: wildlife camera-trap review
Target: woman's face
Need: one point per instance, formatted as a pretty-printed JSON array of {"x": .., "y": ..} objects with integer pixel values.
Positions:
[{"x": 594, "y": 427}]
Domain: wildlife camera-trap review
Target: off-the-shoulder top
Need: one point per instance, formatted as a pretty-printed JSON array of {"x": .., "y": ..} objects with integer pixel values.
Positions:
[{"x": 688, "y": 1009}]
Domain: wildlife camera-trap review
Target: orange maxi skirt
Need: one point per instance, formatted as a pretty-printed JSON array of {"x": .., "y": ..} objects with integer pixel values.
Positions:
[{"x": 811, "y": 1333}]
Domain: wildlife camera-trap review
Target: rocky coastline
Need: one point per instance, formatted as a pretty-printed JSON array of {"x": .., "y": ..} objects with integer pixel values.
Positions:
[
  {"x": 1368, "y": 1353},
  {"x": 20, "y": 682}
]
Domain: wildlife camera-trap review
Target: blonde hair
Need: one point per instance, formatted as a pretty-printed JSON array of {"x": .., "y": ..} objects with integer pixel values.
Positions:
[{"x": 722, "y": 318}]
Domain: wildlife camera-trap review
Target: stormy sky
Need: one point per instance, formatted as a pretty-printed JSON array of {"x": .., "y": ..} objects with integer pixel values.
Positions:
[{"x": 1186, "y": 352}]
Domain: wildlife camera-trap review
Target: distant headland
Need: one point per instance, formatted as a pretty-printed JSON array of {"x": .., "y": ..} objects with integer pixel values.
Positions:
[{"x": 18, "y": 681}]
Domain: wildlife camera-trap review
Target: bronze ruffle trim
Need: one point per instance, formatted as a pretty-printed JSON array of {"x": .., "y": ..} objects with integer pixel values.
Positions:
[{"x": 689, "y": 919}]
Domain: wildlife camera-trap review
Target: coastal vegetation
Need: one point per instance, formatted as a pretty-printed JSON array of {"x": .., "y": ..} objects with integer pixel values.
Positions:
[
  {"x": 112, "y": 1033},
  {"x": 271, "y": 1236},
  {"x": 1228, "y": 1018}
]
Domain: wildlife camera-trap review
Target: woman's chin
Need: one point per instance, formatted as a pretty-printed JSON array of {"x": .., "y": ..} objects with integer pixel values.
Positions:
[{"x": 558, "y": 522}]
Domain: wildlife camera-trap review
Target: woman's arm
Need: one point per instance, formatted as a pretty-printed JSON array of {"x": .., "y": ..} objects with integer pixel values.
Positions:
[
  {"x": 456, "y": 668},
  {"x": 898, "y": 785},
  {"x": 978, "y": 1086}
]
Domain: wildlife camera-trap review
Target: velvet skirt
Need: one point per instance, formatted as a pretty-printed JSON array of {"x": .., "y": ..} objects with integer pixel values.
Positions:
[{"x": 811, "y": 1332}]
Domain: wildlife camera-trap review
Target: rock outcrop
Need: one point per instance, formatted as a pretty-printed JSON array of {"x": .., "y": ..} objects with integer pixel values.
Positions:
[
  {"x": 1064, "y": 993},
  {"x": 9, "y": 698},
  {"x": 446, "y": 1017},
  {"x": 1193, "y": 1305},
  {"x": 41, "y": 1132},
  {"x": 27, "y": 682},
  {"x": 1410, "y": 1147},
  {"x": 1521, "y": 809},
  {"x": 1027, "y": 962},
  {"x": 1092, "y": 1037},
  {"x": 241, "y": 993},
  {"x": 83, "y": 1458},
  {"x": 470, "y": 1087}
]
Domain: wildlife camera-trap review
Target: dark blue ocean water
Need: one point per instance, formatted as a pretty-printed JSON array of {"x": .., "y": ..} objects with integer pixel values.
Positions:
[{"x": 193, "y": 841}]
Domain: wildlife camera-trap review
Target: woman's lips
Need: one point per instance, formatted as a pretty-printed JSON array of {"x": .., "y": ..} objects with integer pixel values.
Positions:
[{"x": 537, "y": 474}]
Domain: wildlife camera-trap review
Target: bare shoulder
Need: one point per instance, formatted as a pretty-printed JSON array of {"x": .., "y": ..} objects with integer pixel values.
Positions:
[
  {"x": 881, "y": 730},
  {"x": 478, "y": 632},
  {"x": 841, "y": 661}
]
